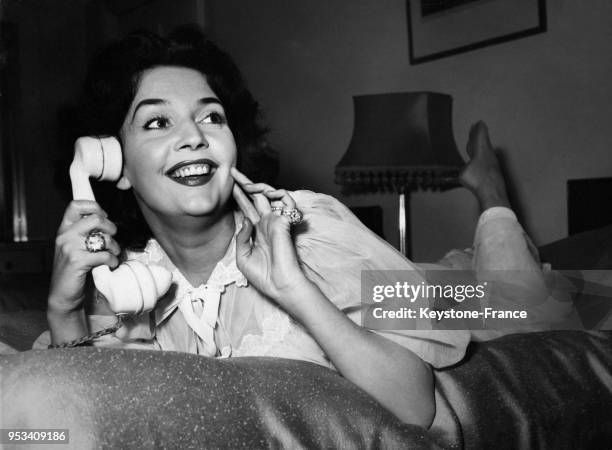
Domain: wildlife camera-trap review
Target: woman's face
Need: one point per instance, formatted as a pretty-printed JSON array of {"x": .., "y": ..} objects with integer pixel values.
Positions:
[{"x": 177, "y": 146}]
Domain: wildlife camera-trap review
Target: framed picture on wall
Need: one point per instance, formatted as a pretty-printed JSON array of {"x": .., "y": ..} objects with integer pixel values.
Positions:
[{"x": 440, "y": 28}]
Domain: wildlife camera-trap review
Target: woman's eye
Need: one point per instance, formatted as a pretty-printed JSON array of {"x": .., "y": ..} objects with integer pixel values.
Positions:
[
  {"x": 215, "y": 118},
  {"x": 156, "y": 123}
]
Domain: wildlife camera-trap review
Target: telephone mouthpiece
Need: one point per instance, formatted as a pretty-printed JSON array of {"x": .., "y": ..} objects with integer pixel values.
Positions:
[{"x": 133, "y": 287}]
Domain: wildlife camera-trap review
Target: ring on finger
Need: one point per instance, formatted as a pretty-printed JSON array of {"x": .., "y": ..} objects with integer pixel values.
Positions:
[
  {"x": 294, "y": 215},
  {"x": 95, "y": 242}
]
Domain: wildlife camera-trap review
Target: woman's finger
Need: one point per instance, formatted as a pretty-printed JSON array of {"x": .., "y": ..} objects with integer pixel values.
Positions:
[
  {"x": 257, "y": 188},
  {"x": 76, "y": 210},
  {"x": 262, "y": 204},
  {"x": 94, "y": 222},
  {"x": 75, "y": 253},
  {"x": 100, "y": 259},
  {"x": 281, "y": 197},
  {"x": 243, "y": 244},
  {"x": 245, "y": 205},
  {"x": 111, "y": 245}
]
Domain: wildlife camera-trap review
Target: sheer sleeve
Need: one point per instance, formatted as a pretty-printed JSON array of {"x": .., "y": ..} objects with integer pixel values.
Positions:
[{"x": 334, "y": 247}]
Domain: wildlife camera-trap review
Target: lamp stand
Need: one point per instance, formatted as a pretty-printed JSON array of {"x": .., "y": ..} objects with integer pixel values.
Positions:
[{"x": 404, "y": 224}]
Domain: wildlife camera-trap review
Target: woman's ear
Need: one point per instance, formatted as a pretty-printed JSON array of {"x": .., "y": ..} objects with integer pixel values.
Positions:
[{"x": 123, "y": 183}]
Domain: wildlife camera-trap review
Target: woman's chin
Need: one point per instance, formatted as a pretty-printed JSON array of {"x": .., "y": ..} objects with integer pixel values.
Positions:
[{"x": 206, "y": 209}]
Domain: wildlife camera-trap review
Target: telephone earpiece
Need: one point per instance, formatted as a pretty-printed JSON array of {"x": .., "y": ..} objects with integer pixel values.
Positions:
[
  {"x": 94, "y": 157},
  {"x": 133, "y": 287}
]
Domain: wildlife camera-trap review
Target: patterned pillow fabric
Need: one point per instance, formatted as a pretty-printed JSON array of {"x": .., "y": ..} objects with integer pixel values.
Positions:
[{"x": 110, "y": 398}]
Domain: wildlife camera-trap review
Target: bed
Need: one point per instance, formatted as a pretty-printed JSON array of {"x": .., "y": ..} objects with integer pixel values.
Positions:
[{"x": 539, "y": 390}]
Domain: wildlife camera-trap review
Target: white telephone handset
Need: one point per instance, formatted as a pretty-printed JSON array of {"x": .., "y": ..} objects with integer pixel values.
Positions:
[{"x": 133, "y": 287}]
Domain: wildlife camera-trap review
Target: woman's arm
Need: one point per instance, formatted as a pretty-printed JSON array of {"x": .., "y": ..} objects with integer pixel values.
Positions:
[
  {"x": 393, "y": 375},
  {"x": 71, "y": 264},
  {"x": 66, "y": 326}
]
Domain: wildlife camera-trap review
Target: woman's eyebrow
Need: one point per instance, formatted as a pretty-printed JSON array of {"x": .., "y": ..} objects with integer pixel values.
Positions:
[
  {"x": 209, "y": 100},
  {"x": 148, "y": 101}
]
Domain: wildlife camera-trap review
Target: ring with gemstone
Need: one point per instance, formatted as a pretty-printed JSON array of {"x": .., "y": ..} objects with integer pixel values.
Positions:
[
  {"x": 294, "y": 215},
  {"x": 95, "y": 242}
]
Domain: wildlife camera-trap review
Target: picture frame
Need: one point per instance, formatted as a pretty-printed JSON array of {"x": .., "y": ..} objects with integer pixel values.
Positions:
[{"x": 441, "y": 28}]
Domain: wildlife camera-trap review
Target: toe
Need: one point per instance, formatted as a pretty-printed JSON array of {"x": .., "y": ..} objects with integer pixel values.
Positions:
[{"x": 478, "y": 140}]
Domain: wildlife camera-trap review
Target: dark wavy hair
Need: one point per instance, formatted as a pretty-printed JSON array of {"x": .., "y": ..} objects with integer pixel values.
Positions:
[{"x": 111, "y": 85}]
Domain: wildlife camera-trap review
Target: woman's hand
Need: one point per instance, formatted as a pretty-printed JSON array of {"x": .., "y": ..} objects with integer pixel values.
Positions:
[
  {"x": 378, "y": 366},
  {"x": 72, "y": 261},
  {"x": 269, "y": 262}
]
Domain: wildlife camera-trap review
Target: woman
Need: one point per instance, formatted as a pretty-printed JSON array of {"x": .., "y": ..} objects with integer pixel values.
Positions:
[{"x": 185, "y": 120}]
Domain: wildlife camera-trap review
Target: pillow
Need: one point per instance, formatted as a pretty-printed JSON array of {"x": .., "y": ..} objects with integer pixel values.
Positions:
[
  {"x": 115, "y": 398},
  {"x": 7, "y": 349}
]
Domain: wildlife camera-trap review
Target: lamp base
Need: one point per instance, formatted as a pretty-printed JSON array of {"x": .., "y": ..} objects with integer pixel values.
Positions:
[{"x": 404, "y": 224}]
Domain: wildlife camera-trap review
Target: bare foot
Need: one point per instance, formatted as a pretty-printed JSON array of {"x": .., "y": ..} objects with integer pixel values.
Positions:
[{"x": 483, "y": 175}]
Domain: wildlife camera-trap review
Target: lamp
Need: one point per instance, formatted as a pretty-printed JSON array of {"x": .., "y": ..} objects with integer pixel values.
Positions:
[{"x": 402, "y": 142}]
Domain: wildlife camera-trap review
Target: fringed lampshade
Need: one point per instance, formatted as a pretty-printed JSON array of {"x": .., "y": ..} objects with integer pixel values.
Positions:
[{"x": 401, "y": 142}]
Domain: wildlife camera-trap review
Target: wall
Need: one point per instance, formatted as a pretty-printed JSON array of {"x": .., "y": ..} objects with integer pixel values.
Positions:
[
  {"x": 546, "y": 98},
  {"x": 56, "y": 40},
  {"x": 51, "y": 60},
  {"x": 160, "y": 16}
]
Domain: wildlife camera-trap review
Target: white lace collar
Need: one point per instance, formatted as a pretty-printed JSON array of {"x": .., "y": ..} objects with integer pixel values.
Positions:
[{"x": 225, "y": 273}]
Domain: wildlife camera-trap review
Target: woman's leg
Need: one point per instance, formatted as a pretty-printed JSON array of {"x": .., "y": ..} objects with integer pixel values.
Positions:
[
  {"x": 500, "y": 243},
  {"x": 503, "y": 253}
]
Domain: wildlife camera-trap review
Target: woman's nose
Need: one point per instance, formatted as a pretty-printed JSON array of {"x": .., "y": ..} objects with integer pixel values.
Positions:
[{"x": 192, "y": 136}]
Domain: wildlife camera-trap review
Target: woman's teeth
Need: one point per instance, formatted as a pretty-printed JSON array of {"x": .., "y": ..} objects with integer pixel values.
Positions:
[{"x": 192, "y": 170}]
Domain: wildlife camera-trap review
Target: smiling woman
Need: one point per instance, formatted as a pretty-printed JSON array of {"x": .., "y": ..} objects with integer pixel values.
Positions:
[
  {"x": 243, "y": 269},
  {"x": 178, "y": 147},
  {"x": 248, "y": 277},
  {"x": 112, "y": 84}
]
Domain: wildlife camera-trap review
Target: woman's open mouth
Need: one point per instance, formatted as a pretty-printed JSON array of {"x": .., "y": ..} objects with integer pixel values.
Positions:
[{"x": 192, "y": 173}]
